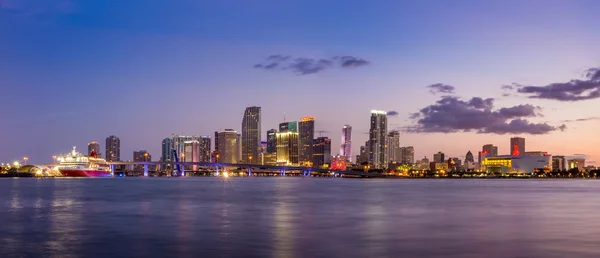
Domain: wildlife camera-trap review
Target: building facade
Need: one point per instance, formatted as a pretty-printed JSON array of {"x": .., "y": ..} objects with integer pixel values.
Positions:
[
  {"x": 228, "y": 147},
  {"x": 251, "y": 133},
  {"x": 288, "y": 126},
  {"x": 559, "y": 163},
  {"x": 469, "y": 157},
  {"x": 577, "y": 164},
  {"x": 408, "y": 155},
  {"x": 393, "y": 145},
  {"x": 322, "y": 151},
  {"x": 439, "y": 157},
  {"x": 113, "y": 148},
  {"x": 287, "y": 148},
  {"x": 94, "y": 147},
  {"x": 516, "y": 164},
  {"x": 306, "y": 134},
  {"x": 141, "y": 156},
  {"x": 272, "y": 141},
  {"x": 346, "y": 147},
  {"x": 517, "y": 146},
  {"x": 377, "y": 140},
  {"x": 204, "y": 148}
]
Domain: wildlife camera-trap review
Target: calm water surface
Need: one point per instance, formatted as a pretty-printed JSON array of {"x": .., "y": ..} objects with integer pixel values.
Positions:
[{"x": 295, "y": 217}]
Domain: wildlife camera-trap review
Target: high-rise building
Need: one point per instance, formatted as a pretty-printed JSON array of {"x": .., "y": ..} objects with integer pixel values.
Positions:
[
  {"x": 204, "y": 148},
  {"x": 288, "y": 126},
  {"x": 469, "y": 157},
  {"x": 238, "y": 142},
  {"x": 439, "y": 157},
  {"x": 187, "y": 147},
  {"x": 141, "y": 156},
  {"x": 217, "y": 142},
  {"x": 228, "y": 146},
  {"x": 322, "y": 151},
  {"x": 517, "y": 146},
  {"x": 167, "y": 150},
  {"x": 364, "y": 153},
  {"x": 490, "y": 150},
  {"x": 113, "y": 148},
  {"x": 559, "y": 163},
  {"x": 394, "y": 151},
  {"x": 94, "y": 147},
  {"x": 408, "y": 155},
  {"x": 272, "y": 141},
  {"x": 251, "y": 136},
  {"x": 306, "y": 134},
  {"x": 377, "y": 140},
  {"x": 287, "y": 148},
  {"x": 346, "y": 148}
]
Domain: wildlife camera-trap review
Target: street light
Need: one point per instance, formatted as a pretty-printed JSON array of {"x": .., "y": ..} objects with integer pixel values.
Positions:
[{"x": 250, "y": 157}]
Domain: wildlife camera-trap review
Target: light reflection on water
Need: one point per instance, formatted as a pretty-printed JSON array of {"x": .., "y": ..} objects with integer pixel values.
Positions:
[{"x": 295, "y": 217}]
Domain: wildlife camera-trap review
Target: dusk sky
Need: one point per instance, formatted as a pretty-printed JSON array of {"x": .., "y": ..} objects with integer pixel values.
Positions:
[{"x": 72, "y": 72}]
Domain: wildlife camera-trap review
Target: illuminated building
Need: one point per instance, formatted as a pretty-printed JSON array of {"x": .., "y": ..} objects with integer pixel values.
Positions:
[
  {"x": 559, "y": 163},
  {"x": 424, "y": 163},
  {"x": 204, "y": 148},
  {"x": 377, "y": 140},
  {"x": 95, "y": 147},
  {"x": 439, "y": 157},
  {"x": 141, "y": 156},
  {"x": 216, "y": 142},
  {"x": 536, "y": 153},
  {"x": 167, "y": 150},
  {"x": 321, "y": 151},
  {"x": 393, "y": 145},
  {"x": 113, "y": 148},
  {"x": 454, "y": 163},
  {"x": 251, "y": 136},
  {"x": 306, "y": 134},
  {"x": 408, "y": 155},
  {"x": 187, "y": 148},
  {"x": 272, "y": 141},
  {"x": 517, "y": 146},
  {"x": 469, "y": 157},
  {"x": 269, "y": 158},
  {"x": 238, "y": 145},
  {"x": 516, "y": 164},
  {"x": 577, "y": 164},
  {"x": 490, "y": 150},
  {"x": 288, "y": 126},
  {"x": 346, "y": 148},
  {"x": 228, "y": 146},
  {"x": 338, "y": 162},
  {"x": 287, "y": 148}
]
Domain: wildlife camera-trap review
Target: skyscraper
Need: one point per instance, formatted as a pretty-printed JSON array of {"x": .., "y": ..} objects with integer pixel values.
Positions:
[
  {"x": 167, "y": 150},
  {"x": 251, "y": 136},
  {"x": 408, "y": 155},
  {"x": 469, "y": 157},
  {"x": 217, "y": 142},
  {"x": 187, "y": 147},
  {"x": 204, "y": 148},
  {"x": 558, "y": 163},
  {"x": 377, "y": 140},
  {"x": 490, "y": 150},
  {"x": 113, "y": 148},
  {"x": 307, "y": 134},
  {"x": 141, "y": 156},
  {"x": 394, "y": 152},
  {"x": 322, "y": 151},
  {"x": 287, "y": 148},
  {"x": 227, "y": 146},
  {"x": 238, "y": 146},
  {"x": 271, "y": 141},
  {"x": 517, "y": 146},
  {"x": 346, "y": 148},
  {"x": 439, "y": 157},
  {"x": 288, "y": 126},
  {"x": 94, "y": 147}
]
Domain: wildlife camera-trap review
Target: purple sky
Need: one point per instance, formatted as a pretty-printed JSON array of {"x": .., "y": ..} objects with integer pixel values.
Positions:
[{"x": 72, "y": 72}]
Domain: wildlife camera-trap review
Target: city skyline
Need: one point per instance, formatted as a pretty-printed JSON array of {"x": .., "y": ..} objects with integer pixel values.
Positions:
[{"x": 407, "y": 64}]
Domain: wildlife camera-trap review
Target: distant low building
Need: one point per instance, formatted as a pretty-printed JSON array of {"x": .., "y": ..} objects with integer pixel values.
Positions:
[{"x": 516, "y": 164}]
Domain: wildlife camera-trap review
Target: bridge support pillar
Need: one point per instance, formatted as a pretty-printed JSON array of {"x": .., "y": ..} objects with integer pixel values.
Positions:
[
  {"x": 112, "y": 170},
  {"x": 145, "y": 169},
  {"x": 217, "y": 168},
  {"x": 249, "y": 172}
]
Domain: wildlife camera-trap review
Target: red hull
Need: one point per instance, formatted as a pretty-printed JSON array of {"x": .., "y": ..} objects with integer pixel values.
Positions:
[{"x": 84, "y": 173}]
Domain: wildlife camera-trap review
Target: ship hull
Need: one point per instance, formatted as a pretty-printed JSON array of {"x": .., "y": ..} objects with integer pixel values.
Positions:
[{"x": 84, "y": 173}]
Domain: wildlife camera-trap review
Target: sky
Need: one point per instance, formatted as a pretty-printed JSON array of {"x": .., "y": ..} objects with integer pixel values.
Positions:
[{"x": 453, "y": 75}]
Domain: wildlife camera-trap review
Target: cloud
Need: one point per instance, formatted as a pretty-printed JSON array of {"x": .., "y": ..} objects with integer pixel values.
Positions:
[
  {"x": 392, "y": 113},
  {"x": 441, "y": 88},
  {"x": 508, "y": 87},
  {"x": 305, "y": 66},
  {"x": 582, "y": 119},
  {"x": 574, "y": 90},
  {"x": 450, "y": 114}
]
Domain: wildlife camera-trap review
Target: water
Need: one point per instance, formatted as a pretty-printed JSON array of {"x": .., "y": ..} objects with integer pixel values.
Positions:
[{"x": 295, "y": 217}]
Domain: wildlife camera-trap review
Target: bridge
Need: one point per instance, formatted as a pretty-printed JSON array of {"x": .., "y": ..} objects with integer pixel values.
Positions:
[{"x": 251, "y": 169}]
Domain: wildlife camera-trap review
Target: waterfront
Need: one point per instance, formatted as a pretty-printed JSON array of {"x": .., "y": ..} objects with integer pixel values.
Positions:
[{"x": 298, "y": 217}]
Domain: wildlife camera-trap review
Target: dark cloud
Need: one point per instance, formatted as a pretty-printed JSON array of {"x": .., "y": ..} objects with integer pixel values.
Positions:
[
  {"x": 574, "y": 90},
  {"x": 582, "y": 119},
  {"x": 508, "y": 87},
  {"x": 441, "y": 88},
  {"x": 304, "y": 66},
  {"x": 450, "y": 114},
  {"x": 392, "y": 113}
]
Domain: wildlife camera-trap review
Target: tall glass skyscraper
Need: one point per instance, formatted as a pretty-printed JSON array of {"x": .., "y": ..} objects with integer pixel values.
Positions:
[
  {"x": 251, "y": 136},
  {"x": 113, "y": 148},
  {"x": 307, "y": 134},
  {"x": 346, "y": 148},
  {"x": 377, "y": 140},
  {"x": 517, "y": 146},
  {"x": 394, "y": 151},
  {"x": 167, "y": 150},
  {"x": 272, "y": 141}
]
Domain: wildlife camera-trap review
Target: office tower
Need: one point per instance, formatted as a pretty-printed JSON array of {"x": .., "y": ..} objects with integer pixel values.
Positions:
[
  {"x": 377, "y": 140},
  {"x": 287, "y": 148},
  {"x": 490, "y": 150},
  {"x": 288, "y": 126},
  {"x": 272, "y": 141},
  {"x": 167, "y": 150},
  {"x": 204, "y": 148},
  {"x": 263, "y": 146},
  {"x": 187, "y": 147},
  {"x": 307, "y": 135},
  {"x": 408, "y": 155},
  {"x": 346, "y": 148},
  {"x": 469, "y": 157},
  {"x": 94, "y": 147},
  {"x": 439, "y": 157},
  {"x": 558, "y": 163},
  {"x": 321, "y": 151},
  {"x": 113, "y": 148},
  {"x": 238, "y": 142},
  {"x": 250, "y": 142},
  {"x": 228, "y": 146},
  {"x": 216, "y": 142},
  {"x": 394, "y": 152},
  {"x": 517, "y": 146},
  {"x": 364, "y": 153},
  {"x": 141, "y": 156}
]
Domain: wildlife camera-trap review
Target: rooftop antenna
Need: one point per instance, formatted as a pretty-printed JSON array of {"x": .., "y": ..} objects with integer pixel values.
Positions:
[{"x": 284, "y": 117}]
